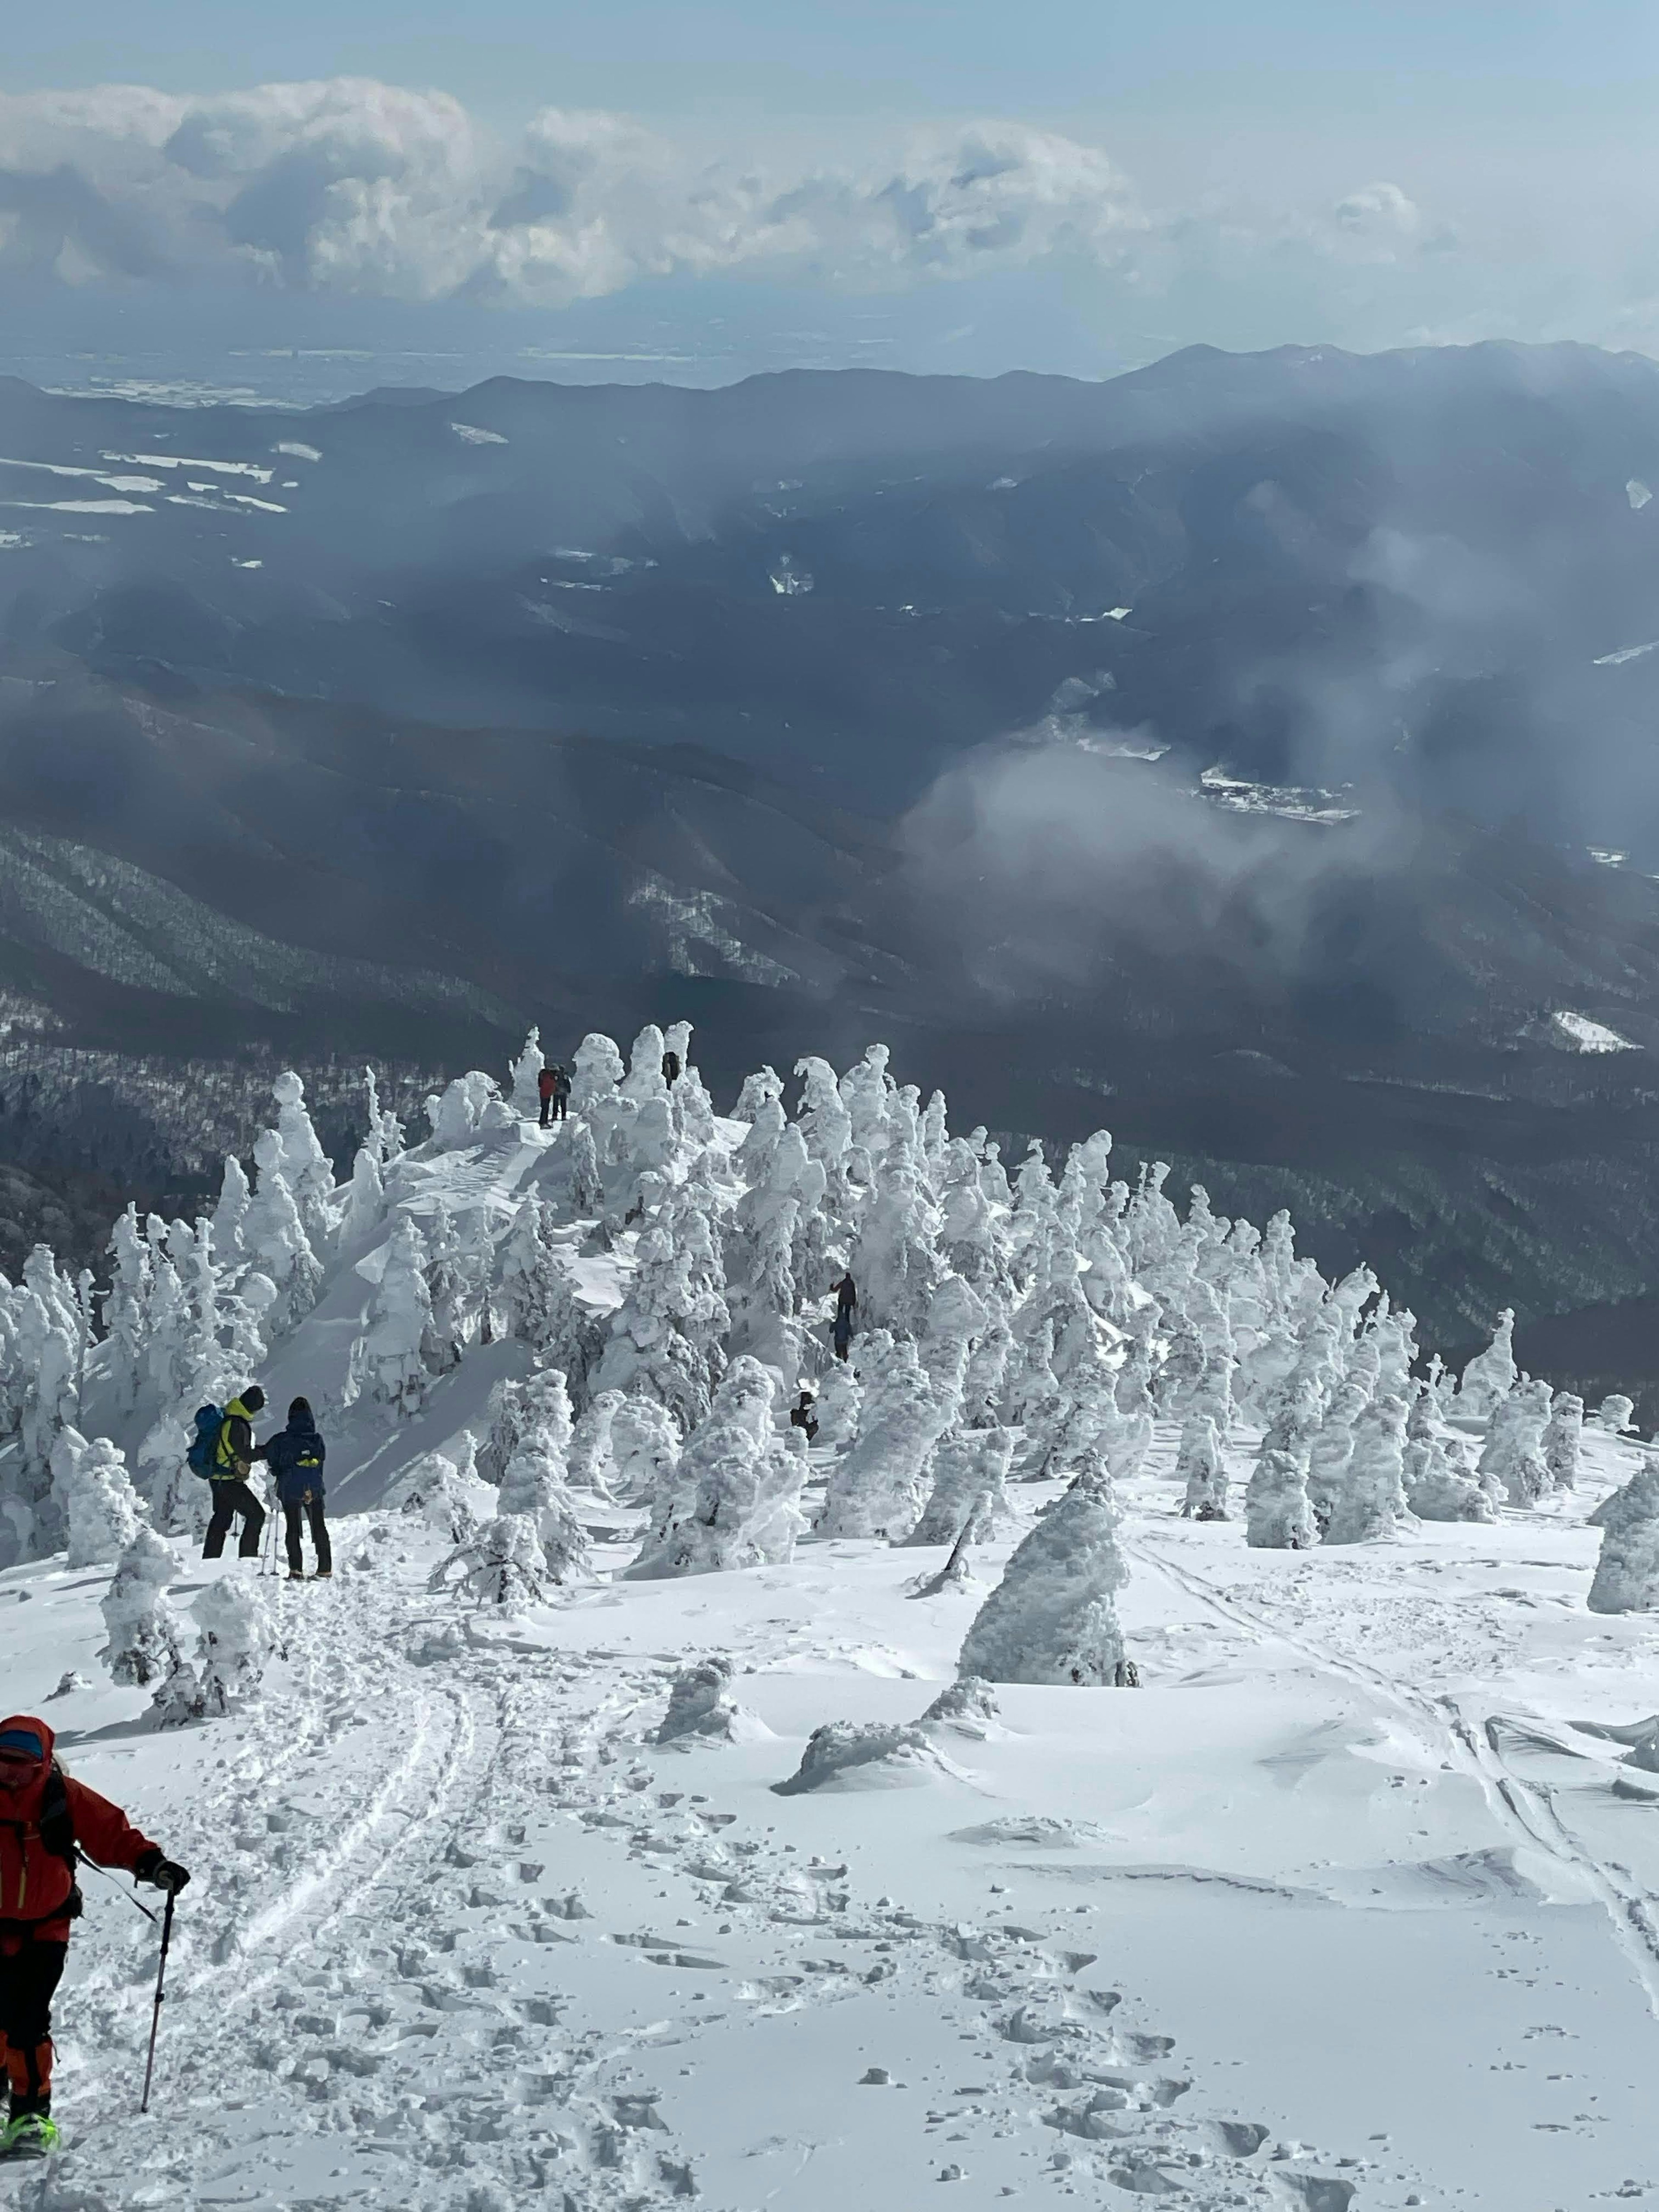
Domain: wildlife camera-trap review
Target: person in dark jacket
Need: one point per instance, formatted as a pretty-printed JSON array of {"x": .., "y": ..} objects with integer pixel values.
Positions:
[
  {"x": 546, "y": 1083},
  {"x": 233, "y": 1462},
  {"x": 670, "y": 1068},
  {"x": 295, "y": 1457},
  {"x": 561, "y": 1093},
  {"x": 847, "y": 1299},
  {"x": 45, "y": 1815},
  {"x": 801, "y": 1415}
]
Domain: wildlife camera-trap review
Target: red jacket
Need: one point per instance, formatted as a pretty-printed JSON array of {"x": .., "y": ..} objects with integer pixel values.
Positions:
[
  {"x": 34, "y": 1882},
  {"x": 544, "y": 1082}
]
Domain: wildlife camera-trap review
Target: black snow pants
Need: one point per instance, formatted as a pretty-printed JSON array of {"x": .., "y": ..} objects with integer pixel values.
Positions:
[
  {"x": 28, "y": 1980},
  {"x": 311, "y": 1510},
  {"x": 230, "y": 1498}
]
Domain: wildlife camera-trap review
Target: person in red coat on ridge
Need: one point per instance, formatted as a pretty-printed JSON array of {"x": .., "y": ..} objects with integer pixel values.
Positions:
[{"x": 45, "y": 1816}]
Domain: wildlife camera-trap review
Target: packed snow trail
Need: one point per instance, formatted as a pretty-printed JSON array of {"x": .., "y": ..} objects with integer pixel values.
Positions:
[{"x": 458, "y": 1934}]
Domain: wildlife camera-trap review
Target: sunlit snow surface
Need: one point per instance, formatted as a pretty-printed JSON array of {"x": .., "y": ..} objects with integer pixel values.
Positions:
[
  {"x": 1577, "y": 1033},
  {"x": 471, "y": 434},
  {"x": 1351, "y": 1905},
  {"x": 1626, "y": 653},
  {"x": 1290, "y": 802}
]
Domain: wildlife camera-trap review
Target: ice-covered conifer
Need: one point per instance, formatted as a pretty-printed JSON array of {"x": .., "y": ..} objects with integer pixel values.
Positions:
[
  {"x": 1331, "y": 1448},
  {"x": 762, "y": 1294},
  {"x": 753, "y": 1158},
  {"x": 957, "y": 1318},
  {"x": 139, "y": 1618},
  {"x": 519, "y": 1406},
  {"x": 365, "y": 1202},
  {"x": 274, "y": 1236},
  {"x": 984, "y": 1383},
  {"x": 543, "y": 1308},
  {"x": 449, "y": 1294},
  {"x": 238, "y": 1637},
  {"x": 1513, "y": 1455},
  {"x": 596, "y": 1074},
  {"x": 896, "y": 1259},
  {"x": 501, "y": 1564},
  {"x": 178, "y": 1501},
  {"x": 645, "y": 1079},
  {"x": 693, "y": 1108},
  {"x": 764, "y": 1085},
  {"x": 1201, "y": 1469},
  {"x": 1490, "y": 1376},
  {"x": 823, "y": 1119},
  {"x": 444, "y": 1495},
  {"x": 304, "y": 1166},
  {"x": 534, "y": 1485},
  {"x": 701, "y": 1708},
  {"x": 879, "y": 1487},
  {"x": 867, "y": 1090},
  {"x": 1277, "y": 1515},
  {"x": 1369, "y": 1498},
  {"x": 969, "y": 1473},
  {"x": 586, "y": 1178},
  {"x": 1438, "y": 1487},
  {"x": 101, "y": 1507},
  {"x": 645, "y": 1449},
  {"x": 526, "y": 1077},
  {"x": 972, "y": 1234},
  {"x": 1562, "y": 1437},
  {"x": 840, "y": 1396},
  {"x": 590, "y": 1460},
  {"x": 741, "y": 1481},
  {"x": 230, "y": 1214},
  {"x": 1053, "y": 1617},
  {"x": 667, "y": 1338},
  {"x": 1627, "y": 1572},
  {"x": 387, "y": 1364},
  {"x": 127, "y": 1312},
  {"x": 1613, "y": 1414}
]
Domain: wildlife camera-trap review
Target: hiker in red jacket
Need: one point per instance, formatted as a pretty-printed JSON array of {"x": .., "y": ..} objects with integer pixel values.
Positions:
[
  {"x": 546, "y": 1085},
  {"x": 45, "y": 1815}
]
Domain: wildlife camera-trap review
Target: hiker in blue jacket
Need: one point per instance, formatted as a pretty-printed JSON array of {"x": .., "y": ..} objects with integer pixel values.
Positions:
[{"x": 296, "y": 1455}]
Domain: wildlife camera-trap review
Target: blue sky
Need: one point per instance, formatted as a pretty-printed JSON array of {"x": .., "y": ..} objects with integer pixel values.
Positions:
[{"x": 1057, "y": 184}]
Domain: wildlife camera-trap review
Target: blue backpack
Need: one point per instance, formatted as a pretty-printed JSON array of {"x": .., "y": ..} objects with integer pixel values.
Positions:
[{"x": 202, "y": 1457}]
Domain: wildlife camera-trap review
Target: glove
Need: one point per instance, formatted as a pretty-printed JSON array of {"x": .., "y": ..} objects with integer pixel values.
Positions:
[{"x": 162, "y": 1873}]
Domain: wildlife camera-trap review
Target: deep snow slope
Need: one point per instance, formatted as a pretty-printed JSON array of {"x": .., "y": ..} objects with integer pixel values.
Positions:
[{"x": 1353, "y": 1896}]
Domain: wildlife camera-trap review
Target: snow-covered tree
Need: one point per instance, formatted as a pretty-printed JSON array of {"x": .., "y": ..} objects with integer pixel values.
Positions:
[
  {"x": 1277, "y": 1515},
  {"x": 762, "y": 1294},
  {"x": 449, "y": 1293},
  {"x": 590, "y": 1459},
  {"x": 1627, "y": 1572},
  {"x": 595, "y": 1075},
  {"x": 969, "y": 1472},
  {"x": 238, "y": 1637},
  {"x": 387, "y": 1364},
  {"x": 230, "y": 1213},
  {"x": 534, "y": 1485},
  {"x": 1438, "y": 1487},
  {"x": 100, "y": 1506},
  {"x": 365, "y": 1200},
  {"x": 895, "y": 1261},
  {"x": 274, "y": 1237},
  {"x": 764, "y": 1087},
  {"x": 1369, "y": 1503},
  {"x": 500, "y": 1564},
  {"x": 1613, "y": 1414},
  {"x": 645, "y": 1449},
  {"x": 586, "y": 1182},
  {"x": 701, "y": 1707},
  {"x": 878, "y": 1487},
  {"x": 139, "y": 1618},
  {"x": 823, "y": 1120},
  {"x": 525, "y": 1074},
  {"x": 1200, "y": 1470},
  {"x": 1562, "y": 1437},
  {"x": 543, "y": 1308},
  {"x": 742, "y": 1481},
  {"x": 1513, "y": 1456},
  {"x": 1331, "y": 1449},
  {"x": 304, "y": 1165},
  {"x": 126, "y": 1311},
  {"x": 667, "y": 1338},
  {"x": 1490, "y": 1376},
  {"x": 1053, "y": 1617}
]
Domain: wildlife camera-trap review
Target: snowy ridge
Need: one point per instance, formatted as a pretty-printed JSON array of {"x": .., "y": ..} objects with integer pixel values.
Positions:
[{"x": 566, "y": 1816}]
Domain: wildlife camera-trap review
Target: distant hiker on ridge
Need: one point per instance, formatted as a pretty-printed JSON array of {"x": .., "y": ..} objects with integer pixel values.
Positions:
[
  {"x": 802, "y": 1417},
  {"x": 847, "y": 1298},
  {"x": 561, "y": 1092},
  {"x": 544, "y": 1082},
  {"x": 296, "y": 1455},
  {"x": 233, "y": 1455},
  {"x": 45, "y": 1815},
  {"x": 670, "y": 1068}
]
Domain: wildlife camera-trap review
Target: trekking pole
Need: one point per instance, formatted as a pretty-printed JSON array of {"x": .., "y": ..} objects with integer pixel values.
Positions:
[
  {"x": 155, "y": 2017},
  {"x": 137, "y": 1904}
]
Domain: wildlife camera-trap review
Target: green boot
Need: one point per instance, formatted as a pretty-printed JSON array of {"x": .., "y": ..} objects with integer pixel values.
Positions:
[{"x": 31, "y": 2135}]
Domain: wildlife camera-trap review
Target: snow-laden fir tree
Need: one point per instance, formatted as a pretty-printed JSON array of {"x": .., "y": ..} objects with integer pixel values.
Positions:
[
  {"x": 762, "y": 1295},
  {"x": 1369, "y": 1502},
  {"x": 139, "y": 1618},
  {"x": 230, "y": 1213},
  {"x": 1613, "y": 1414},
  {"x": 1200, "y": 1470},
  {"x": 449, "y": 1295},
  {"x": 969, "y": 1473},
  {"x": 587, "y": 1183},
  {"x": 764, "y": 1087},
  {"x": 1627, "y": 1572},
  {"x": 543, "y": 1310},
  {"x": 596, "y": 1073},
  {"x": 101, "y": 1507},
  {"x": 304, "y": 1166},
  {"x": 879, "y": 1485},
  {"x": 274, "y": 1236},
  {"x": 501, "y": 1564},
  {"x": 126, "y": 1311},
  {"x": 525, "y": 1074},
  {"x": 1053, "y": 1617},
  {"x": 1490, "y": 1376},
  {"x": 522, "y": 1406},
  {"x": 1333, "y": 1445},
  {"x": 743, "y": 1483},
  {"x": 238, "y": 1639},
  {"x": 590, "y": 1460},
  {"x": 1438, "y": 1487},
  {"x": 1562, "y": 1437},
  {"x": 645, "y": 1449},
  {"x": 1513, "y": 1456},
  {"x": 365, "y": 1200},
  {"x": 895, "y": 1261},
  {"x": 387, "y": 1366},
  {"x": 823, "y": 1120},
  {"x": 534, "y": 1482},
  {"x": 1277, "y": 1515},
  {"x": 667, "y": 1339}
]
